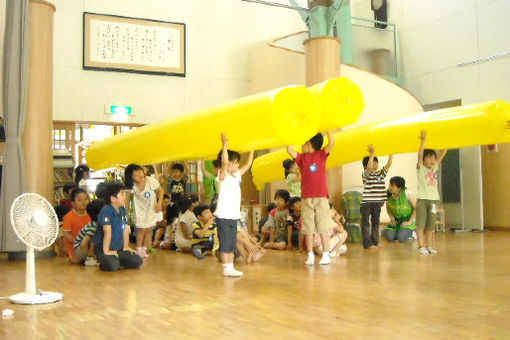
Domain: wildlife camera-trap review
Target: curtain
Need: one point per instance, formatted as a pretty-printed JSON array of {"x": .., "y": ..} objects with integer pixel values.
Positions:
[{"x": 14, "y": 76}]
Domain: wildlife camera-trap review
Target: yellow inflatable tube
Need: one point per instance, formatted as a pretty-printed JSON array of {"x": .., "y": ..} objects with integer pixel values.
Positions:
[
  {"x": 341, "y": 103},
  {"x": 486, "y": 123},
  {"x": 283, "y": 116}
]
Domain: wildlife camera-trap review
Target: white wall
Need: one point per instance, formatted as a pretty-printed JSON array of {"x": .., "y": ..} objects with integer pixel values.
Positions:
[{"x": 219, "y": 34}]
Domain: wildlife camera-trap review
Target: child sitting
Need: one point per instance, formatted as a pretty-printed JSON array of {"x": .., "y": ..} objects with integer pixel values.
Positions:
[
  {"x": 59, "y": 246},
  {"x": 337, "y": 236},
  {"x": 177, "y": 182},
  {"x": 74, "y": 220},
  {"x": 374, "y": 196},
  {"x": 161, "y": 225},
  {"x": 277, "y": 222},
  {"x": 183, "y": 239},
  {"x": 83, "y": 244},
  {"x": 66, "y": 190},
  {"x": 210, "y": 181},
  {"x": 204, "y": 231},
  {"x": 292, "y": 177},
  {"x": 111, "y": 242},
  {"x": 294, "y": 224}
]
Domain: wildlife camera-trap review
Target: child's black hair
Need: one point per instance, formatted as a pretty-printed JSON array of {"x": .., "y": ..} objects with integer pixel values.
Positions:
[
  {"x": 93, "y": 209},
  {"x": 366, "y": 159},
  {"x": 76, "y": 192},
  {"x": 178, "y": 166},
  {"x": 185, "y": 202},
  {"x": 68, "y": 187},
  {"x": 79, "y": 172},
  {"x": 398, "y": 181},
  {"x": 110, "y": 189},
  {"x": 232, "y": 156},
  {"x": 284, "y": 194},
  {"x": 271, "y": 206},
  {"x": 287, "y": 164},
  {"x": 216, "y": 163},
  {"x": 429, "y": 152},
  {"x": 317, "y": 141},
  {"x": 128, "y": 174},
  {"x": 293, "y": 200},
  {"x": 61, "y": 211},
  {"x": 199, "y": 209}
]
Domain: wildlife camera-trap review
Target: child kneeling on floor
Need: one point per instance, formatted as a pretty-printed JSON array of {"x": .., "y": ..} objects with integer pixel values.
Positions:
[
  {"x": 83, "y": 243},
  {"x": 111, "y": 241}
]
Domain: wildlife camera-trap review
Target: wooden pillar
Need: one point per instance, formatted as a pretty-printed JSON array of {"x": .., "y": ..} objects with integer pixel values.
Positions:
[
  {"x": 322, "y": 56},
  {"x": 37, "y": 143}
]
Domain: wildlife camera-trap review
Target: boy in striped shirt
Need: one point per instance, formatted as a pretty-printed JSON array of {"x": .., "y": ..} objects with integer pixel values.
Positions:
[{"x": 374, "y": 196}]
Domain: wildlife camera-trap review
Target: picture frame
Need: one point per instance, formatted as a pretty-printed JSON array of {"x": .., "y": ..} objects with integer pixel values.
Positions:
[{"x": 124, "y": 44}]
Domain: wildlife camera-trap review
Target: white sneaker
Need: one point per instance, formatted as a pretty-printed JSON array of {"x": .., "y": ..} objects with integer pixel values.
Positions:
[
  {"x": 91, "y": 261},
  {"x": 325, "y": 260},
  {"x": 423, "y": 251},
  {"x": 431, "y": 250},
  {"x": 232, "y": 273},
  {"x": 342, "y": 249},
  {"x": 310, "y": 261}
]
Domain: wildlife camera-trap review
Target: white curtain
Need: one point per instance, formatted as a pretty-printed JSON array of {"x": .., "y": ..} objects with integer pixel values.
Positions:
[{"x": 15, "y": 76}]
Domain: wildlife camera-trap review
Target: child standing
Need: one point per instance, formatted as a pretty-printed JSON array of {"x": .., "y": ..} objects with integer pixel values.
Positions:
[
  {"x": 148, "y": 199},
  {"x": 177, "y": 182},
  {"x": 314, "y": 192},
  {"x": 374, "y": 196},
  {"x": 204, "y": 231},
  {"x": 210, "y": 182},
  {"x": 83, "y": 244},
  {"x": 74, "y": 220},
  {"x": 81, "y": 174},
  {"x": 111, "y": 242},
  {"x": 277, "y": 222},
  {"x": 428, "y": 195},
  {"x": 292, "y": 177},
  {"x": 228, "y": 210}
]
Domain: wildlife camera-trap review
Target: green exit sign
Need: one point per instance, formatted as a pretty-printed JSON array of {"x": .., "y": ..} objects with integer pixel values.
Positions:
[{"x": 120, "y": 109}]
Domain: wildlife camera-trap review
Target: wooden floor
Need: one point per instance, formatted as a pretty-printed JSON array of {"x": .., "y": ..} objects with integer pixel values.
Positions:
[{"x": 394, "y": 293}]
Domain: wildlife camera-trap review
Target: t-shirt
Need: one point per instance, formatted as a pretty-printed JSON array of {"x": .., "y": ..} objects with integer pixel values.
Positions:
[
  {"x": 89, "y": 230},
  {"x": 401, "y": 209},
  {"x": 144, "y": 202},
  {"x": 187, "y": 218},
  {"x": 278, "y": 219},
  {"x": 176, "y": 187},
  {"x": 198, "y": 226},
  {"x": 294, "y": 221},
  {"x": 427, "y": 183},
  {"x": 118, "y": 222},
  {"x": 73, "y": 223},
  {"x": 313, "y": 174},
  {"x": 229, "y": 197},
  {"x": 374, "y": 188},
  {"x": 294, "y": 187}
]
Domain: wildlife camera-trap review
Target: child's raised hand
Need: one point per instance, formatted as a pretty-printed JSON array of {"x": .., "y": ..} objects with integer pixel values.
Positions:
[
  {"x": 370, "y": 149},
  {"x": 423, "y": 135},
  {"x": 224, "y": 138}
]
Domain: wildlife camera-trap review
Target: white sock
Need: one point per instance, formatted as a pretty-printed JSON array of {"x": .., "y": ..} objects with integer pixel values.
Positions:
[
  {"x": 325, "y": 254},
  {"x": 310, "y": 254}
]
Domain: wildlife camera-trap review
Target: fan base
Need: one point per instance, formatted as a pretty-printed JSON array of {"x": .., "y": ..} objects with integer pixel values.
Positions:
[{"x": 36, "y": 299}]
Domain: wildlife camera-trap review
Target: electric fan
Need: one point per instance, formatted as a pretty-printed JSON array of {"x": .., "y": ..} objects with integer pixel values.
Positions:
[{"x": 35, "y": 223}]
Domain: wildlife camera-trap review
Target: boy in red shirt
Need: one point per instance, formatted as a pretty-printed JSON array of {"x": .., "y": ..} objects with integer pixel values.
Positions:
[{"x": 315, "y": 213}]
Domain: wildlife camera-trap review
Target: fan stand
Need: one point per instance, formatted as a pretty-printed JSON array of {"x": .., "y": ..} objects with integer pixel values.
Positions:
[{"x": 31, "y": 296}]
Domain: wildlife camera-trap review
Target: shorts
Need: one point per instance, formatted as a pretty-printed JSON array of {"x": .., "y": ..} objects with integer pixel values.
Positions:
[
  {"x": 315, "y": 214},
  {"x": 80, "y": 253},
  {"x": 227, "y": 234},
  {"x": 425, "y": 214}
]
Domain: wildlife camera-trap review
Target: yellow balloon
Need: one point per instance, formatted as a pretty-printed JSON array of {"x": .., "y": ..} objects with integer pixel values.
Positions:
[
  {"x": 485, "y": 123},
  {"x": 266, "y": 120}
]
